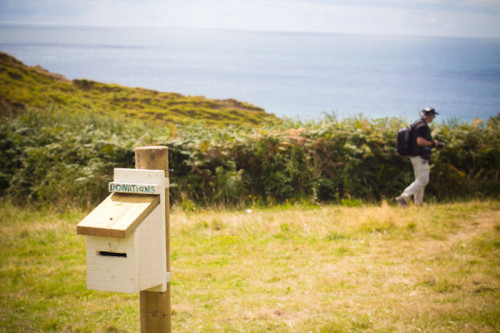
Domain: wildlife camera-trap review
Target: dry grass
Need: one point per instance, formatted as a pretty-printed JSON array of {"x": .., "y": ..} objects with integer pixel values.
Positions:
[
  {"x": 328, "y": 269},
  {"x": 334, "y": 268}
]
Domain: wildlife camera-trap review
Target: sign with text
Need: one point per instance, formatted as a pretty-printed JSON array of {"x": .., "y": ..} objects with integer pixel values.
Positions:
[{"x": 134, "y": 188}]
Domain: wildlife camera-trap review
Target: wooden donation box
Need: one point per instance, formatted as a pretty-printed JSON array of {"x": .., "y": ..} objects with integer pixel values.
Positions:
[{"x": 126, "y": 244}]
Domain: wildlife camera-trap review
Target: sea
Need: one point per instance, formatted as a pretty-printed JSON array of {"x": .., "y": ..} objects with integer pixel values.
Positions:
[{"x": 302, "y": 76}]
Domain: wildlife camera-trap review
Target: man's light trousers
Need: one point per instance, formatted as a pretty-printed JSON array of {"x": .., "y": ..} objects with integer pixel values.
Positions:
[{"x": 421, "y": 169}]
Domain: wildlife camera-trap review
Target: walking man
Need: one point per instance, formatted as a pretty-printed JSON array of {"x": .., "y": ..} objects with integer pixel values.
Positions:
[{"x": 421, "y": 144}]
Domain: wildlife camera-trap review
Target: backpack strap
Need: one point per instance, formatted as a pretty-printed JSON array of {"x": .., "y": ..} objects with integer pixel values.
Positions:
[{"x": 415, "y": 124}]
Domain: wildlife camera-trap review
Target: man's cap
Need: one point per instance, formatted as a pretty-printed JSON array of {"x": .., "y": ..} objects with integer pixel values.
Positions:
[{"x": 428, "y": 111}]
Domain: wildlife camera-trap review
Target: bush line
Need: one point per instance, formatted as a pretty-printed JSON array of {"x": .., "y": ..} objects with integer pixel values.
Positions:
[{"x": 65, "y": 158}]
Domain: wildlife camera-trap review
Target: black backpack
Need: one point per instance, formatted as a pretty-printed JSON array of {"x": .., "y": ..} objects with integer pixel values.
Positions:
[
  {"x": 403, "y": 139},
  {"x": 403, "y": 142}
]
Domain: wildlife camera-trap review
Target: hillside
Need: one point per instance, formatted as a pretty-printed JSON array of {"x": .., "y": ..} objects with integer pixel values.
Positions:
[{"x": 22, "y": 86}]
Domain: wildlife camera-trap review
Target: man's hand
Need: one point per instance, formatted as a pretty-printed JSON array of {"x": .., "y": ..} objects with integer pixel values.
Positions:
[
  {"x": 426, "y": 143},
  {"x": 431, "y": 144}
]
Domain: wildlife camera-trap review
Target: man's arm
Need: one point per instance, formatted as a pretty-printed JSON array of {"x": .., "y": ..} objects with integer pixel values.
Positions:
[{"x": 426, "y": 143}]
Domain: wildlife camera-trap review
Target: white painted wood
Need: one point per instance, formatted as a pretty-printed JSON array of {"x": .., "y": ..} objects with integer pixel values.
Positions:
[
  {"x": 108, "y": 273},
  {"x": 141, "y": 176},
  {"x": 138, "y": 261},
  {"x": 150, "y": 247}
]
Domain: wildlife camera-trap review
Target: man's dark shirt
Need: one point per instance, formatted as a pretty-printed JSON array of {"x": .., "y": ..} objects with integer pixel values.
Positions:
[{"x": 420, "y": 129}]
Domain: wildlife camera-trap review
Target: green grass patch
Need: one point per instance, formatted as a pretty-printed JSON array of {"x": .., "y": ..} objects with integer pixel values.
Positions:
[{"x": 327, "y": 269}]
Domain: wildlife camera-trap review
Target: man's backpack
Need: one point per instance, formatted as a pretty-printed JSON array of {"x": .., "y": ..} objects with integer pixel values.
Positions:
[{"x": 403, "y": 143}]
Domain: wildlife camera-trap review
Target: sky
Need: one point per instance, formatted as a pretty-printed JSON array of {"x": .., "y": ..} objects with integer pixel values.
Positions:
[{"x": 456, "y": 18}]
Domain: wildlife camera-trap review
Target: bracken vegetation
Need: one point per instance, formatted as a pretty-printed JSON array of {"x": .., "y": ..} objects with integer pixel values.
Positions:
[{"x": 56, "y": 156}]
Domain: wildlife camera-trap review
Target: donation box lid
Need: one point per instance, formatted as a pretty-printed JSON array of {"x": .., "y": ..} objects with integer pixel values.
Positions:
[{"x": 118, "y": 215}]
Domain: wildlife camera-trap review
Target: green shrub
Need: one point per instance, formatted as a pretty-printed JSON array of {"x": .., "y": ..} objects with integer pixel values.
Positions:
[
  {"x": 64, "y": 157},
  {"x": 61, "y": 157}
]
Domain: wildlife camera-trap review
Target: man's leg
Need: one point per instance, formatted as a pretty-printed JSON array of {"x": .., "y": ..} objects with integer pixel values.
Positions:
[
  {"x": 421, "y": 169},
  {"x": 423, "y": 179}
]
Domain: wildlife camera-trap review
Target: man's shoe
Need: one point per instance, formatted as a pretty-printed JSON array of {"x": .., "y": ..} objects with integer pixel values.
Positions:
[{"x": 401, "y": 201}]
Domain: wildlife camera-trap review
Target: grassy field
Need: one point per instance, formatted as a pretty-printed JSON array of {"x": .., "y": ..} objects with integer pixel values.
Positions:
[{"x": 283, "y": 269}]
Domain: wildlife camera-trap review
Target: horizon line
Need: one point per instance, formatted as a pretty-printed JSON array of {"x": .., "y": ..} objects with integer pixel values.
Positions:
[{"x": 52, "y": 24}]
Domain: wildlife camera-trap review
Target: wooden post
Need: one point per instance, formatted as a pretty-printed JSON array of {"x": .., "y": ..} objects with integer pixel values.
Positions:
[{"x": 155, "y": 306}]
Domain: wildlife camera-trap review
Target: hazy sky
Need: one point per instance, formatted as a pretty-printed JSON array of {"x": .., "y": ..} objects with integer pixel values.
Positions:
[{"x": 467, "y": 18}]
